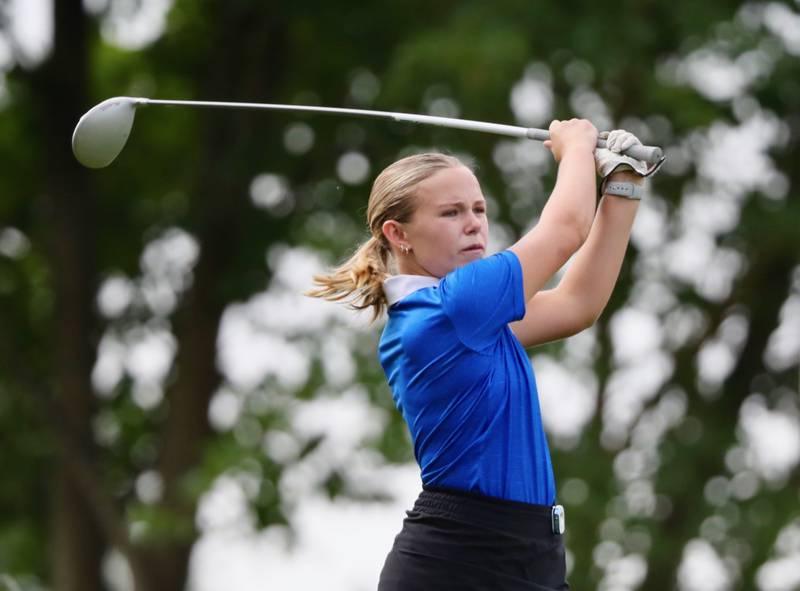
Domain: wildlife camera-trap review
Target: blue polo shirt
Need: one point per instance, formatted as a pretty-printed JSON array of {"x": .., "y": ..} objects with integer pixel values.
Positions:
[{"x": 463, "y": 382}]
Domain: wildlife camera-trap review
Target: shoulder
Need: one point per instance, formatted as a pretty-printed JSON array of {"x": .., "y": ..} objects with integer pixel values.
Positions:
[
  {"x": 488, "y": 276},
  {"x": 501, "y": 263}
]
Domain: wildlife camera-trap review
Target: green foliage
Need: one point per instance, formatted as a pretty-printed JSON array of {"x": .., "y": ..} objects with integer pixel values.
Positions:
[{"x": 193, "y": 170}]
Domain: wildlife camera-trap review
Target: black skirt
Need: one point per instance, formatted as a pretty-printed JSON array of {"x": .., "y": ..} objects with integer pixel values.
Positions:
[{"x": 452, "y": 540}]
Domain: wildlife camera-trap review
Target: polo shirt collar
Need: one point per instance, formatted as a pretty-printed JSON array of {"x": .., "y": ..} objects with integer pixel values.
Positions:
[{"x": 397, "y": 287}]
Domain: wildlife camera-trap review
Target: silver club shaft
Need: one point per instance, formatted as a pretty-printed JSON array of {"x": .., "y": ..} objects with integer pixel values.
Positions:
[{"x": 650, "y": 154}]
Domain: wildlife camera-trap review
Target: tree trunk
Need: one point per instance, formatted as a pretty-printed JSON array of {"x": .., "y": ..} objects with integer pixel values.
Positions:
[
  {"x": 244, "y": 34},
  {"x": 60, "y": 96}
]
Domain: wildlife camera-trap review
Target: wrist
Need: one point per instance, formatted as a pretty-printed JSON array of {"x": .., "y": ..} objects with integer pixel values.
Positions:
[{"x": 577, "y": 151}]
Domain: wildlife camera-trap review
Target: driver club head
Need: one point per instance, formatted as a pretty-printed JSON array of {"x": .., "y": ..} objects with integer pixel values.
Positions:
[{"x": 102, "y": 132}]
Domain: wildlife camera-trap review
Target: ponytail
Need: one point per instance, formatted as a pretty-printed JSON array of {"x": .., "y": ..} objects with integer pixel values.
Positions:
[{"x": 359, "y": 279}]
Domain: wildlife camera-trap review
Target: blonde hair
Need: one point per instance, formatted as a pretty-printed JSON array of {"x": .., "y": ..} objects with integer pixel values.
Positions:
[{"x": 359, "y": 280}]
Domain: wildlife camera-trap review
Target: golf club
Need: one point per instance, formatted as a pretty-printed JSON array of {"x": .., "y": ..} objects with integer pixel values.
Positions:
[{"x": 102, "y": 132}]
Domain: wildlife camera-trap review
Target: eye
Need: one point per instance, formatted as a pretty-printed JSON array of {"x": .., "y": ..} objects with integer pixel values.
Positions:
[
  {"x": 450, "y": 213},
  {"x": 481, "y": 209}
]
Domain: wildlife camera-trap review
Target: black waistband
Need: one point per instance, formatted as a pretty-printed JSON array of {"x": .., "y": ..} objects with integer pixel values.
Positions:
[{"x": 512, "y": 516}]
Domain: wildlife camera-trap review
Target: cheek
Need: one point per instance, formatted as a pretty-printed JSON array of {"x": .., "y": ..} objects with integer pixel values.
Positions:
[
  {"x": 442, "y": 232},
  {"x": 439, "y": 239}
]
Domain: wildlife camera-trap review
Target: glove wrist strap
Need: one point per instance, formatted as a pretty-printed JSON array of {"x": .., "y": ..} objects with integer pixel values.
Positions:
[{"x": 622, "y": 189}]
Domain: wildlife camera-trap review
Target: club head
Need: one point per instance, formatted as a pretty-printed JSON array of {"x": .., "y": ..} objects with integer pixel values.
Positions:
[{"x": 102, "y": 132}]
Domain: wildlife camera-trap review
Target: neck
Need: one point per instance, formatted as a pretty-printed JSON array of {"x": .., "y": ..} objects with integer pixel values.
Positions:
[{"x": 408, "y": 265}]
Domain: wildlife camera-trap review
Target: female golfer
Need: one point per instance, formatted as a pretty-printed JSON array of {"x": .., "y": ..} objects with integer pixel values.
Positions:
[{"x": 453, "y": 350}]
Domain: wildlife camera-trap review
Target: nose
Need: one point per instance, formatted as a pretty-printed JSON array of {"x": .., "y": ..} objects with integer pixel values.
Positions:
[{"x": 473, "y": 223}]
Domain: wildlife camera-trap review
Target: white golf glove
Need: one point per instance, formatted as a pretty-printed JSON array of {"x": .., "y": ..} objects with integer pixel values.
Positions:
[{"x": 609, "y": 159}]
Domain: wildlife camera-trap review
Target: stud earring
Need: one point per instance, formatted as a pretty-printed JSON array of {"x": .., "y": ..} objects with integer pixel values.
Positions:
[{"x": 404, "y": 249}]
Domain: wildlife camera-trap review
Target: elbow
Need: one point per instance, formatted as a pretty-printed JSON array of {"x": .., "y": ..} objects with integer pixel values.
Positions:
[
  {"x": 569, "y": 228},
  {"x": 581, "y": 225},
  {"x": 581, "y": 322},
  {"x": 577, "y": 323},
  {"x": 585, "y": 314},
  {"x": 580, "y": 311},
  {"x": 592, "y": 314},
  {"x": 573, "y": 232},
  {"x": 589, "y": 319}
]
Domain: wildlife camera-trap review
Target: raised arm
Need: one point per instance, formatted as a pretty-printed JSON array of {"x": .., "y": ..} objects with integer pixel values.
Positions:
[
  {"x": 567, "y": 217},
  {"x": 586, "y": 287}
]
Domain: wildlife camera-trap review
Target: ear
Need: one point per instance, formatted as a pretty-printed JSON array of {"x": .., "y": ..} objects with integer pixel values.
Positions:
[{"x": 395, "y": 234}]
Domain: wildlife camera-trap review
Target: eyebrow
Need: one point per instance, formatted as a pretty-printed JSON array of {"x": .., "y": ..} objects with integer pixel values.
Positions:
[{"x": 460, "y": 203}]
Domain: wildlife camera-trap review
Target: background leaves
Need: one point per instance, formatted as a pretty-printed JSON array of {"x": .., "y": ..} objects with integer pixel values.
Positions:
[{"x": 155, "y": 344}]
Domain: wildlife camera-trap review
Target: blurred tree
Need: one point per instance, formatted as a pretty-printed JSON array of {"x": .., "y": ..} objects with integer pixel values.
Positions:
[{"x": 110, "y": 450}]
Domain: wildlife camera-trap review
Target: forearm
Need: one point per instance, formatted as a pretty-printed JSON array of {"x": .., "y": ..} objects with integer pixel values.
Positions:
[
  {"x": 594, "y": 271},
  {"x": 572, "y": 201}
]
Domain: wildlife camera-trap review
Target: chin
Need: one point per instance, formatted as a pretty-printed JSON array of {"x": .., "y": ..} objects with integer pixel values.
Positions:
[{"x": 474, "y": 255}]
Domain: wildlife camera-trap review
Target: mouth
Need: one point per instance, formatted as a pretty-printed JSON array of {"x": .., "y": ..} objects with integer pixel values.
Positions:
[{"x": 475, "y": 248}]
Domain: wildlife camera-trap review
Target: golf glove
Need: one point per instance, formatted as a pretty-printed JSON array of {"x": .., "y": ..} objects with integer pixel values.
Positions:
[{"x": 609, "y": 159}]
